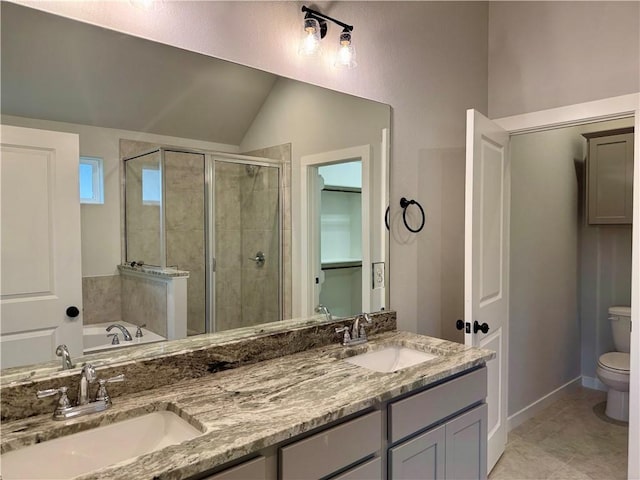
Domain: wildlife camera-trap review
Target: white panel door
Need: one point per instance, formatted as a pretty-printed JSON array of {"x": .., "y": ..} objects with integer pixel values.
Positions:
[
  {"x": 40, "y": 245},
  {"x": 487, "y": 198}
]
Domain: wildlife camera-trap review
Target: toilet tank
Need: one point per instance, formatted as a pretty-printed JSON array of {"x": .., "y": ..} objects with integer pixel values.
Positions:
[{"x": 621, "y": 327}]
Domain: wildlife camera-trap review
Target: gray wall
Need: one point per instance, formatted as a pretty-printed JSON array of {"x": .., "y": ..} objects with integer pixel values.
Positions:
[
  {"x": 544, "y": 329},
  {"x": 564, "y": 274},
  {"x": 548, "y": 54}
]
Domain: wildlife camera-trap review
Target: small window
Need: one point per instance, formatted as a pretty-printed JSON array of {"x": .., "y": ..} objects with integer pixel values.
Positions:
[
  {"x": 151, "y": 186},
  {"x": 91, "y": 180}
]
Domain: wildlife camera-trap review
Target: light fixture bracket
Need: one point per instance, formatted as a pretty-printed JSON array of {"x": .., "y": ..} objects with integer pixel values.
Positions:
[{"x": 322, "y": 18}]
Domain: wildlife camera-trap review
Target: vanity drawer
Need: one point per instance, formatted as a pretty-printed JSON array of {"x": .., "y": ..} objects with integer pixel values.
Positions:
[
  {"x": 371, "y": 470},
  {"x": 423, "y": 409},
  {"x": 333, "y": 449},
  {"x": 252, "y": 470}
]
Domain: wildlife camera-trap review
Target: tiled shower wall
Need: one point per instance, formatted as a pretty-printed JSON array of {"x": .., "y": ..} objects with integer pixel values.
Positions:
[{"x": 185, "y": 234}]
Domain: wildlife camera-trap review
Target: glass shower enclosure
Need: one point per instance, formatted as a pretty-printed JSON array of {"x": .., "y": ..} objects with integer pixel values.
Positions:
[{"x": 217, "y": 216}]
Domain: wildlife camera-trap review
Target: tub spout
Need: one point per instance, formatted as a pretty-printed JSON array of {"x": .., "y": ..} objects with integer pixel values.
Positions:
[{"x": 63, "y": 351}]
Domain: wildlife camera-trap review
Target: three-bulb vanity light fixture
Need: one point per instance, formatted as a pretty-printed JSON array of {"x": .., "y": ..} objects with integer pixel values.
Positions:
[{"x": 315, "y": 29}]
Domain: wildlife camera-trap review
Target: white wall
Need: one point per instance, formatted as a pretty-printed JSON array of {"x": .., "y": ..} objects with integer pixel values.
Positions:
[
  {"x": 428, "y": 60},
  {"x": 548, "y": 54},
  {"x": 101, "y": 239}
]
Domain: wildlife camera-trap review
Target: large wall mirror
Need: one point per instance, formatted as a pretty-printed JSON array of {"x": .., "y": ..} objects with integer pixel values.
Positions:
[{"x": 271, "y": 193}]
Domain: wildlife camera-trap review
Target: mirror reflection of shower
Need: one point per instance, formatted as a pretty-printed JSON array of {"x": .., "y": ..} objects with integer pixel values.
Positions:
[
  {"x": 189, "y": 210},
  {"x": 247, "y": 243}
]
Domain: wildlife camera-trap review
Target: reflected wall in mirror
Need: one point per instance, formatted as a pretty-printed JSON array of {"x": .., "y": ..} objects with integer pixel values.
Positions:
[{"x": 123, "y": 96}]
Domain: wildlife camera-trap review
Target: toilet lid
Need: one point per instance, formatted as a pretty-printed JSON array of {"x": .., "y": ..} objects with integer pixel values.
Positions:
[{"x": 615, "y": 361}]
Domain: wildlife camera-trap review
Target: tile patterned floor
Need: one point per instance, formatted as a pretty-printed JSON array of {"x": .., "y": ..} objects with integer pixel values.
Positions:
[{"x": 568, "y": 440}]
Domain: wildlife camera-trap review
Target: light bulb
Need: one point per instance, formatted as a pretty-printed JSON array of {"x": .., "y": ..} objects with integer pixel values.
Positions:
[
  {"x": 346, "y": 57},
  {"x": 310, "y": 42}
]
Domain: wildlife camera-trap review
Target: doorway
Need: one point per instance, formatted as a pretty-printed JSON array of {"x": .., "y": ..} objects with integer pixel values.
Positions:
[
  {"x": 612, "y": 108},
  {"x": 336, "y": 219},
  {"x": 565, "y": 273}
]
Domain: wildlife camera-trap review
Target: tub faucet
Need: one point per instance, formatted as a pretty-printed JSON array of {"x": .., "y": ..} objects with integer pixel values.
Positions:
[
  {"x": 125, "y": 332},
  {"x": 63, "y": 351},
  {"x": 322, "y": 309}
]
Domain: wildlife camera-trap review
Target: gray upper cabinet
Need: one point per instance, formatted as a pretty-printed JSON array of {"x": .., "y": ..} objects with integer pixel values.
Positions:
[{"x": 610, "y": 177}]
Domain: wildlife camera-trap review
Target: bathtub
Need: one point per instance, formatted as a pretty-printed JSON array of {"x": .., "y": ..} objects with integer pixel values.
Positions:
[{"x": 94, "y": 337}]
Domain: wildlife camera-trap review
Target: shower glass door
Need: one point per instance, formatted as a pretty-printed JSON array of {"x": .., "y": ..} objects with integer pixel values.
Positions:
[{"x": 247, "y": 243}]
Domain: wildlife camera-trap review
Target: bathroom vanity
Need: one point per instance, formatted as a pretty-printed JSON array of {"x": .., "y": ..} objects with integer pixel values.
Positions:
[{"x": 309, "y": 415}]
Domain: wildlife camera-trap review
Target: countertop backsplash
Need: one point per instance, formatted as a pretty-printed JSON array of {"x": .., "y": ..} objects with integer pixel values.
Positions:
[{"x": 191, "y": 358}]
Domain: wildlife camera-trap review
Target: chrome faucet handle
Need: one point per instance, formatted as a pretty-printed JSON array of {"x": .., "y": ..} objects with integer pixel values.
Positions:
[
  {"x": 102, "y": 394},
  {"x": 63, "y": 402},
  {"x": 346, "y": 337},
  {"x": 139, "y": 330},
  {"x": 115, "y": 340}
]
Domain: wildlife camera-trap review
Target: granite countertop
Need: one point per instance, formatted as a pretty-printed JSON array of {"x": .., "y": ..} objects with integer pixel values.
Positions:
[{"x": 251, "y": 407}]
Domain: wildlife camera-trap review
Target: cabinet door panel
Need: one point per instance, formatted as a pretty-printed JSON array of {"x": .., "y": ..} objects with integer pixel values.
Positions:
[
  {"x": 421, "y": 458},
  {"x": 466, "y": 453},
  {"x": 610, "y": 167}
]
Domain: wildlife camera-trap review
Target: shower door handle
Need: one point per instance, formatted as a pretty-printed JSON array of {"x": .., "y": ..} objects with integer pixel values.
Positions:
[{"x": 259, "y": 259}]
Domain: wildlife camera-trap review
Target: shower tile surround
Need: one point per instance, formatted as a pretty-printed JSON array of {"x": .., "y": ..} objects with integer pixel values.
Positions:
[
  {"x": 262, "y": 407},
  {"x": 157, "y": 365}
]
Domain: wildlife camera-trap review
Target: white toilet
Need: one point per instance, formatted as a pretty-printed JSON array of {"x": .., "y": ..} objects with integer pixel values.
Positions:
[{"x": 613, "y": 367}]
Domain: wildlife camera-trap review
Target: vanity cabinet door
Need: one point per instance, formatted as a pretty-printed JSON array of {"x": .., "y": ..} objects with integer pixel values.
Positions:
[
  {"x": 252, "y": 470},
  {"x": 421, "y": 458},
  {"x": 466, "y": 445}
]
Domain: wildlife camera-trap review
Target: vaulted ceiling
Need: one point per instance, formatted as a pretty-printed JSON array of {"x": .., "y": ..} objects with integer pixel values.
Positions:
[{"x": 54, "y": 68}]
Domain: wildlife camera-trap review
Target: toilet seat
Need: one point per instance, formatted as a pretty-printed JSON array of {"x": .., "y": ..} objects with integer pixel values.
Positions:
[{"x": 617, "y": 362}]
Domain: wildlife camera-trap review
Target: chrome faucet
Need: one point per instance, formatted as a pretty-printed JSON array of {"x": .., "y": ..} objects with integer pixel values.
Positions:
[
  {"x": 125, "y": 332},
  {"x": 63, "y": 351},
  {"x": 357, "y": 335},
  {"x": 84, "y": 405},
  {"x": 322, "y": 309},
  {"x": 87, "y": 377}
]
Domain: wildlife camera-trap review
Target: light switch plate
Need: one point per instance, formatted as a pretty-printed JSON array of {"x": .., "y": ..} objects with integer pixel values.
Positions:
[{"x": 377, "y": 275}]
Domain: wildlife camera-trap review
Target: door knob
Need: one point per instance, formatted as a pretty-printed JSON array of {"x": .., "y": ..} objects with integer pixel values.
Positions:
[
  {"x": 484, "y": 328},
  {"x": 72, "y": 312},
  {"x": 461, "y": 324}
]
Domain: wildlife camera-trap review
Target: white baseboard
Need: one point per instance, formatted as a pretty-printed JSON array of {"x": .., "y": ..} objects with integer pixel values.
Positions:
[
  {"x": 536, "y": 407},
  {"x": 594, "y": 383}
]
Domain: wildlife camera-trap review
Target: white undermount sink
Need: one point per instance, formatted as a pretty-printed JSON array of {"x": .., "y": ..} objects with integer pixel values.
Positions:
[
  {"x": 84, "y": 452},
  {"x": 390, "y": 359}
]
